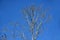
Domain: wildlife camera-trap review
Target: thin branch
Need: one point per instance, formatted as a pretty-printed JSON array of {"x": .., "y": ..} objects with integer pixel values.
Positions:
[
  {"x": 22, "y": 35},
  {"x": 37, "y": 30}
]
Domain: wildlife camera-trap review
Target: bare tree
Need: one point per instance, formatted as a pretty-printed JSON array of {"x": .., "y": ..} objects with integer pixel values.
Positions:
[{"x": 35, "y": 18}]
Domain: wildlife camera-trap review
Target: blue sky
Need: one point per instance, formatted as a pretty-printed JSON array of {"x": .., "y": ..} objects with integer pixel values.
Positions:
[{"x": 11, "y": 11}]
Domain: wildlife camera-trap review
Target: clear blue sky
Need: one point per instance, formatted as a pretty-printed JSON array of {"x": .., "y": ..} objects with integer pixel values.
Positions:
[{"x": 10, "y": 11}]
